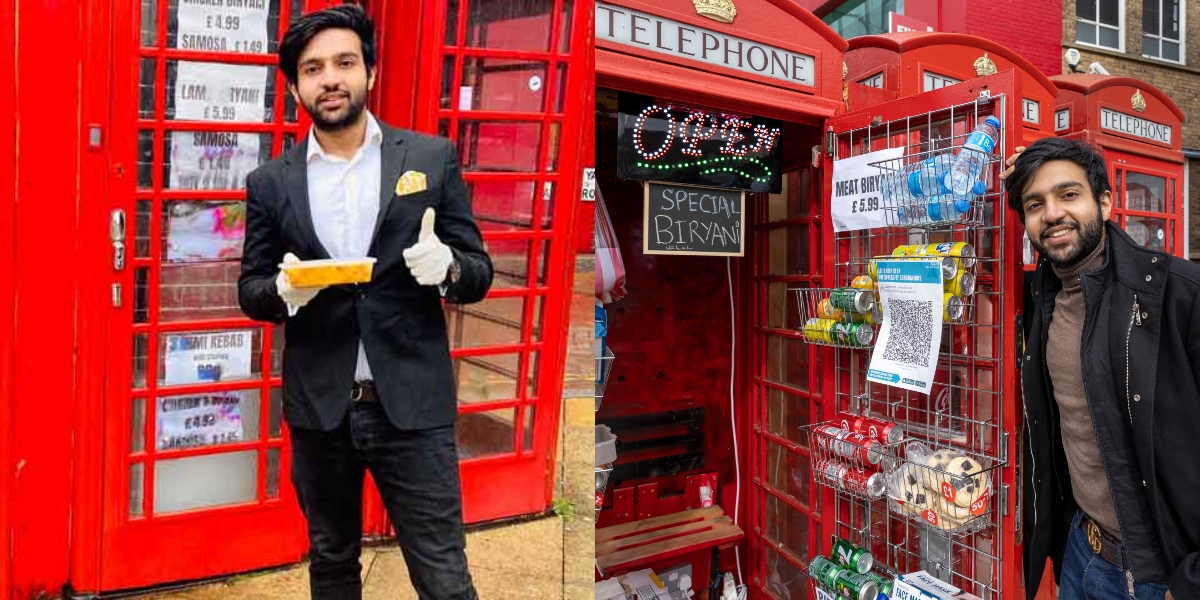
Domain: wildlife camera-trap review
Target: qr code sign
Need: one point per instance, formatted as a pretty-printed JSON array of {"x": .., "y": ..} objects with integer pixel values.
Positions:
[{"x": 911, "y": 332}]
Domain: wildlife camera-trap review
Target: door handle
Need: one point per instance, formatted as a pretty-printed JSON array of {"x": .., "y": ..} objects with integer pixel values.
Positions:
[{"x": 116, "y": 232}]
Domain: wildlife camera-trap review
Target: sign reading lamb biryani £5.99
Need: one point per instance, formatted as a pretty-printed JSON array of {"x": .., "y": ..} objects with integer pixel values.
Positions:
[
  {"x": 659, "y": 141},
  {"x": 220, "y": 92},
  {"x": 223, "y": 26}
]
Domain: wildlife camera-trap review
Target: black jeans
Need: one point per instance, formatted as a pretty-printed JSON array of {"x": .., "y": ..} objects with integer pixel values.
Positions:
[{"x": 416, "y": 472}]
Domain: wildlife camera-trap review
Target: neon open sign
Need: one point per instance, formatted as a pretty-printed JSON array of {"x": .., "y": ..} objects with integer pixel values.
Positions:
[{"x": 660, "y": 141}]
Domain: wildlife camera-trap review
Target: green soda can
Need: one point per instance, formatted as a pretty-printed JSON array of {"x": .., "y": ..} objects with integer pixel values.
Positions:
[
  {"x": 858, "y": 335},
  {"x": 885, "y": 584},
  {"x": 852, "y": 557},
  {"x": 855, "y": 586},
  {"x": 852, "y": 300},
  {"x": 825, "y": 571}
]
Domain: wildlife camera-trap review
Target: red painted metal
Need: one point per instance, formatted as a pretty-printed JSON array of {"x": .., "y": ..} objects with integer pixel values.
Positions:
[
  {"x": 8, "y": 154},
  {"x": 647, "y": 500},
  {"x": 624, "y": 500}
]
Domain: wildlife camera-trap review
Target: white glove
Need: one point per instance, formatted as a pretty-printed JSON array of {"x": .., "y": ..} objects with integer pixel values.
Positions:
[
  {"x": 294, "y": 297},
  {"x": 429, "y": 259}
]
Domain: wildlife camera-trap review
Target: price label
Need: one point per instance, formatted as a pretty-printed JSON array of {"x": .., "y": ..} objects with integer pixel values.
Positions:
[
  {"x": 979, "y": 506},
  {"x": 948, "y": 491},
  {"x": 220, "y": 92},
  {"x": 589, "y": 184},
  {"x": 217, "y": 26},
  {"x": 856, "y": 197}
]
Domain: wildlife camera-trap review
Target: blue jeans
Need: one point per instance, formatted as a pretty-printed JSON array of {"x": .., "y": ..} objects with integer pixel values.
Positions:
[{"x": 1087, "y": 576}]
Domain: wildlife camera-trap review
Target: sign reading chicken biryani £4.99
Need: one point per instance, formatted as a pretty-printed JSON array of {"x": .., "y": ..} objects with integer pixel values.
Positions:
[{"x": 223, "y": 26}]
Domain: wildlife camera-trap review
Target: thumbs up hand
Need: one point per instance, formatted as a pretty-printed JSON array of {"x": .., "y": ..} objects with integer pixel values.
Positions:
[{"x": 429, "y": 259}]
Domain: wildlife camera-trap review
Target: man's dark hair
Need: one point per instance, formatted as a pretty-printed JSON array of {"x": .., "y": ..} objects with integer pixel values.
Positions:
[
  {"x": 1087, "y": 156},
  {"x": 346, "y": 16}
]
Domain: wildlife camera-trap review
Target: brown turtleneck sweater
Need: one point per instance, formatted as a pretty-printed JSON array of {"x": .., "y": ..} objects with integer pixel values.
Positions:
[{"x": 1063, "y": 359}]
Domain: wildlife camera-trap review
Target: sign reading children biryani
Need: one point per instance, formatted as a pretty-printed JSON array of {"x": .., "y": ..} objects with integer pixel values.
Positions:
[
  {"x": 222, "y": 25},
  {"x": 199, "y": 420},
  {"x": 684, "y": 219},
  {"x": 207, "y": 357},
  {"x": 212, "y": 160},
  {"x": 218, "y": 92}
]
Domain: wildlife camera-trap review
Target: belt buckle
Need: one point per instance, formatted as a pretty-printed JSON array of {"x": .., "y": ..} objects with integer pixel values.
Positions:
[
  {"x": 1094, "y": 539},
  {"x": 356, "y": 393}
]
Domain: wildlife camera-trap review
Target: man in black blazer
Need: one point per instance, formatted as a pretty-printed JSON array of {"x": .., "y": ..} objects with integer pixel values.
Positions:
[{"x": 367, "y": 377}]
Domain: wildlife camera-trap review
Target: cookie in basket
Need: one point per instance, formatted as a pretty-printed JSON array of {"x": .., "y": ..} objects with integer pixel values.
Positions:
[
  {"x": 952, "y": 511},
  {"x": 956, "y": 476}
]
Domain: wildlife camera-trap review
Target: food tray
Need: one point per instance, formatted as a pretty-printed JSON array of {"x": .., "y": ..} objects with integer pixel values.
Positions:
[{"x": 316, "y": 273}]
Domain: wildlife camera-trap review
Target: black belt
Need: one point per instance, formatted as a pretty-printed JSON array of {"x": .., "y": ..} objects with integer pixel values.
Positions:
[
  {"x": 1108, "y": 547},
  {"x": 364, "y": 391}
]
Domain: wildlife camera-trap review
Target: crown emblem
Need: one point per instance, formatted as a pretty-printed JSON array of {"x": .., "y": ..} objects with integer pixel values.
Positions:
[
  {"x": 722, "y": 11},
  {"x": 1138, "y": 101},
  {"x": 984, "y": 66}
]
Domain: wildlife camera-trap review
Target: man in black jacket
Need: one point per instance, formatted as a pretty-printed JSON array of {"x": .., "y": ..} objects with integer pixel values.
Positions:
[
  {"x": 1111, "y": 391},
  {"x": 367, "y": 379}
]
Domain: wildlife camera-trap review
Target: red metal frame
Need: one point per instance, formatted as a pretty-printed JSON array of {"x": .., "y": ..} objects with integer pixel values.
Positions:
[{"x": 8, "y": 154}]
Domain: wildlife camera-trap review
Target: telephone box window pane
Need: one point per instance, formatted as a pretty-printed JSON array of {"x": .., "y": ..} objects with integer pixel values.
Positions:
[
  {"x": 564, "y": 33},
  {"x": 209, "y": 356},
  {"x": 206, "y": 419},
  {"x": 1172, "y": 200},
  {"x": 783, "y": 579},
  {"x": 501, "y": 84},
  {"x": 531, "y": 380},
  {"x": 787, "y": 361},
  {"x": 527, "y": 439},
  {"x": 492, "y": 322},
  {"x": 137, "y": 425},
  {"x": 510, "y": 263},
  {"x": 275, "y": 416},
  {"x": 146, "y": 88},
  {"x": 535, "y": 327},
  {"x": 788, "y": 472},
  {"x": 141, "y": 231},
  {"x": 1145, "y": 192},
  {"x": 486, "y": 433},
  {"x": 194, "y": 291},
  {"x": 503, "y": 205},
  {"x": 276, "y": 350},
  {"x": 782, "y": 310},
  {"x": 136, "y": 472},
  {"x": 486, "y": 378},
  {"x": 206, "y": 91},
  {"x": 145, "y": 164},
  {"x": 561, "y": 96},
  {"x": 212, "y": 160},
  {"x": 451, "y": 22},
  {"x": 149, "y": 23},
  {"x": 201, "y": 231},
  {"x": 787, "y": 251},
  {"x": 1147, "y": 232},
  {"x": 499, "y": 146},
  {"x": 450, "y": 99},
  {"x": 552, "y": 154},
  {"x": 272, "y": 473},
  {"x": 786, "y": 414},
  {"x": 444, "y": 127},
  {"x": 141, "y": 344},
  {"x": 510, "y": 25},
  {"x": 290, "y": 108},
  {"x": 195, "y": 25},
  {"x": 141, "y": 309},
  {"x": 205, "y": 481},
  {"x": 785, "y": 524}
]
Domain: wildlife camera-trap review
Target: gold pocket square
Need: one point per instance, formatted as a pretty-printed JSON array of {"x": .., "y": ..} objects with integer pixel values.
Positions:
[{"x": 410, "y": 182}]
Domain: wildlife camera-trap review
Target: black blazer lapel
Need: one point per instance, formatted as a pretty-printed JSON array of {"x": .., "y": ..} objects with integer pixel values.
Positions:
[
  {"x": 393, "y": 152},
  {"x": 295, "y": 179}
]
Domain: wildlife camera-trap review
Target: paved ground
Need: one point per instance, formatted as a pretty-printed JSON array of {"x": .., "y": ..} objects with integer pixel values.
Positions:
[{"x": 549, "y": 558}]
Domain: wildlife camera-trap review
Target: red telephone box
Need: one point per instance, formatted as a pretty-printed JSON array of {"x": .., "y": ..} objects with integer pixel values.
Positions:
[{"x": 1140, "y": 130}]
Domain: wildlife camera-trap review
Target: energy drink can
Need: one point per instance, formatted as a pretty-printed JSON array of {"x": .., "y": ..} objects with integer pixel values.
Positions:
[
  {"x": 950, "y": 264},
  {"x": 819, "y": 331},
  {"x": 960, "y": 250},
  {"x": 825, "y": 571},
  {"x": 963, "y": 284},
  {"x": 906, "y": 250},
  {"x": 863, "y": 282},
  {"x": 885, "y": 584},
  {"x": 855, "y": 586},
  {"x": 852, "y": 300},
  {"x": 873, "y": 318},
  {"x": 858, "y": 335},
  {"x": 952, "y": 308},
  {"x": 852, "y": 557},
  {"x": 825, "y": 310}
]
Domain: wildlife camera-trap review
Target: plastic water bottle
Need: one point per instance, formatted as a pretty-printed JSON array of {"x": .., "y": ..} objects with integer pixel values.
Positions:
[
  {"x": 928, "y": 181},
  {"x": 970, "y": 160},
  {"x": 949, "y": 207}
]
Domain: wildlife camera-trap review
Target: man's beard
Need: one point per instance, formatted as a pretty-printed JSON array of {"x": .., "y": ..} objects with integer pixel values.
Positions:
[
  {"x": 1091, "y": 234},
  {"x": 340, "y": 119}
]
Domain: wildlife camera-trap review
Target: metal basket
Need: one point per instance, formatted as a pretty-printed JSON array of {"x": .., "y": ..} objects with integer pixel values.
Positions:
[
  {"x": 933, "y": 212},
  {"x": 848, "y": 462},
  {"x": 826, "y": 322},
  {"x": 961, "y": 285},
  {"x": 603, "y": 370},
  {"x": 932, "y": 485},
  {"x": 602, "y": 474}
]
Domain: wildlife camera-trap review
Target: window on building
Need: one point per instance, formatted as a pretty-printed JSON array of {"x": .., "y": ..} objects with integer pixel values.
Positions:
[
  {"x": 862, "y": 17},
  {"x": 1162, "y": 22},
  {"x": 1101, "y": 23}
]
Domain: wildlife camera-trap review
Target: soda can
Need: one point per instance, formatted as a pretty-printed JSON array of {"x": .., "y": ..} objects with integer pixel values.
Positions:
[
  {"x": 873, "y": 268},
  {"x": 873, "y": 318},
  {"x": 852, "y": 557},
  {"x": 849, "y": 444},
  {"x": 863, "y": 282},
  {"x": 952, "y": 308},
  {"x": 963, "y": 284},
  {"x": 885, "y": 584},
  {"x": 906, "y": 250},
  {"x": 886, "y": 432},
  {"x": 852, "y": 300},
  {"x": 819, "y": 331},
  {"x": 871, "y": 484},
  {"x": 855, "y": 586},
  {"x": 950, "y": 264},
  {"x": 960, "y": 250},
  {"x": 825, "y": 571},
  {"x": 858, "y": 335},
  {"x": 830, "y": 472},
  {"x": 825, "y": 310}
]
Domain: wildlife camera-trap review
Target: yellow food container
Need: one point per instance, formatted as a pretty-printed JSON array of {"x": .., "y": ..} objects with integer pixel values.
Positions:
[{"x": 314, "y": 273}]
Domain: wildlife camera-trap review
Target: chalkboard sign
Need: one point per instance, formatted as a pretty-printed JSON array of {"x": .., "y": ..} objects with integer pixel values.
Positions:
[
  {"x": 668, "y": 142},
  {"x": 685, "y": 219}
]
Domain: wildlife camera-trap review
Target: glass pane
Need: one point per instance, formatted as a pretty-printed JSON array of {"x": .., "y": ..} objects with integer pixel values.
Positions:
[
  {"x": 502, "y": 84},
  {"x": 1171, "y": 20},
  {"x": 191, "y": 291},
  {"x": 786, "y": 414},
  {"x": 448, "y": 97},
  {"x": 492, "y": 146},
  {"x": 1151, "y": 233},
  {"x": 451, "y": 22},
  {"x": 531, "y": 380},
  {"x": 1150, "y": 21},
  {"x": 205, "y": 91},
  {"x": 290, "y": 109},
  {"x": 564, "y": 32},
  {"x": 212, "y": 160},
  {"x": 527, "y": 429},
  {"x": 208, "y": 419},
  {"x": 782, "y": 311},
  {"x": 200, "y": 231},
  {"x": 560, "y": 98},
  {"x": 146, "y": 89},
  {"x": 552, "y": 152},
  {"x": 787, "y": 251},
  {"x": 788, "y": 472},
  {"x": 1110, "y": 12},
  {"x": 511, "y": 25},
  {"x": 1086, "y": 9},
  {"x": 492, "y": 322},
  {"x": 136, "y": 472},
  {"x": 787, "y": 361},
  {"x": 1145, "y": 192},
  {"x": 141, "y": 304},
  {"x": 1150, "y": 46},
  {"x": 137, "y": 426},
  {"x": 272, "y": 472},
  {"x": 1109, "y": 38},
  {"x": 787, "y": 203},
  {"x": 209, "y": 356},
  {"x": 149, "y": 20},
  {"x": 145, "y": 164},
  {"x": 141, "y": 229},
  {"x": 277, "y": 350},
  {"x": 486, "y": 378},
  {"x": 1170, "y": 50},
  {"x": 783, "y": 579},
  {"x": 444, "y": 127},
  {"x": 141, "y": 343},
  {"x": 486, "y": 433},
  {"x": 787, "y": 526},
  {"x": 275, "y": 414},
  {"x": 1085, "y": 33},
  {"x": 536, "y": 320},
  {"x": 510, "y": 263},
  {"x": 247, "y": 31},
  {"x": 503, "y": 205},
  {"x": 205, "y": 481}
]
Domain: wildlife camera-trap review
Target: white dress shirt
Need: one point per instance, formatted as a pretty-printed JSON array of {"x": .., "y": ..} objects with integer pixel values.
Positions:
[{"x": 343, "y": 197}]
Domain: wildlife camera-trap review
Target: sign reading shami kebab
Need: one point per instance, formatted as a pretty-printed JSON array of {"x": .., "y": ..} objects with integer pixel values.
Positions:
[{"x": 685, "y": 219}]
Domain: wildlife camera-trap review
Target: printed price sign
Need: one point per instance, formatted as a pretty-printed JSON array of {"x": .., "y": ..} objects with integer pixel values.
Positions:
[
  {"x": 219, "y": 92},
  {"x": 199, "y": 420},
  {"x": 207, "y": 357},
  {"x": 212, "y": 160},
  {"x": 857, "y": 201},
  {"x": 223, "y": 26}
]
